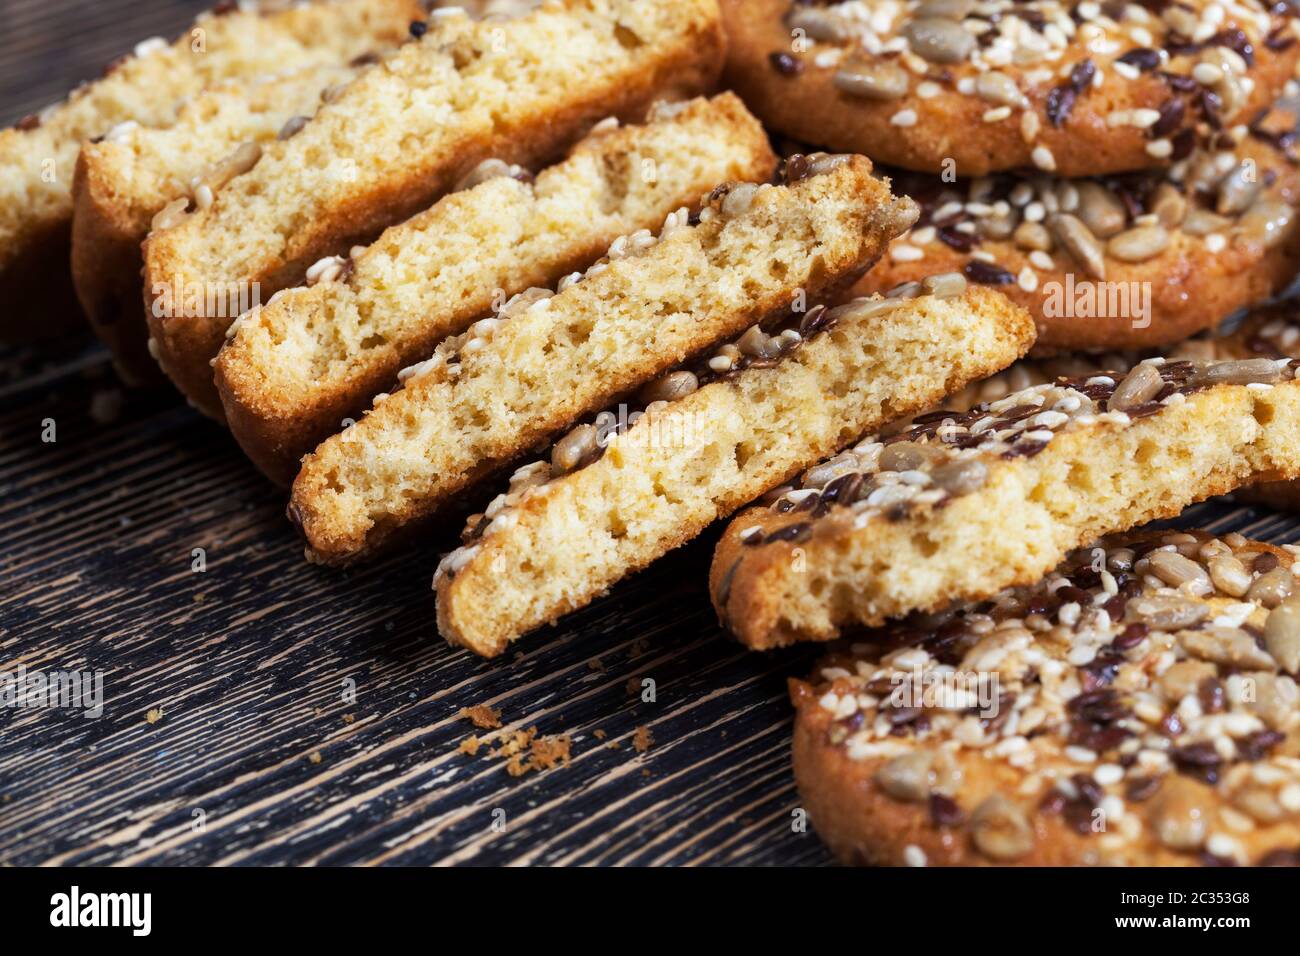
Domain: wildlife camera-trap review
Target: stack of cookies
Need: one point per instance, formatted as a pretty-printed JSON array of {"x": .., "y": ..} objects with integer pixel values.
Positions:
[{"x": 927, "y": 294}]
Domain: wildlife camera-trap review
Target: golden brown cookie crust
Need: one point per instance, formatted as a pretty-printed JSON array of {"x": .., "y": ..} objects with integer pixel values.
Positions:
[
  {"x": 1188, "y": 282},
  {"x": 950, "y": 127},
  {"x": 1165, "y": 747}
]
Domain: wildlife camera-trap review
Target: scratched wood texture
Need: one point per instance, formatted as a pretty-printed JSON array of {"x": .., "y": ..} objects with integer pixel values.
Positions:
[{"x": 249, "y": 660}]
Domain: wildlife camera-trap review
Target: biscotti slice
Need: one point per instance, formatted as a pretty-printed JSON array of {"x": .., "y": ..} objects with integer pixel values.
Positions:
[
  {"x": 122, "y": 184},
  {"x": 1134, "y": 707},
  {"x": 703, "y": 440},
  {"x": 300, "y": 365},
  {"x": 38, "y": 156},
  {"x": 486, "y": 397},
  {"x": 407, "y": 131},
  {"x": 959, "y": 506}
]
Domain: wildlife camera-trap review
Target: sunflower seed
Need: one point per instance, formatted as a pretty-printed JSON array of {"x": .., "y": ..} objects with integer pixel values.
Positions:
[
  {"x": 1080, "y": 243},
  {"x": 1138, "y": 244},
  {"x": 938, "y": 40}
]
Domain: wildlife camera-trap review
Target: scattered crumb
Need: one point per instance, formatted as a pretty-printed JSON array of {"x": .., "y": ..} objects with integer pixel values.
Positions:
[
  {"x": 645, "y": 773},
  {"x": 470, "y": 745},
  {"x": 314, "y": 756},
  {"x": 482, "y": 716},
  {"x": 643, "y": 739},
  {"x": 154, "y": 715},
  {"x": 599, "y": 734},
  {"x": 596, "y": 664},
  {"x": 348, "y": 718},
  {"x": 526, "y": 751},
  {"x": 638, "y": 647},
  {"x": 633, "y": 686}
]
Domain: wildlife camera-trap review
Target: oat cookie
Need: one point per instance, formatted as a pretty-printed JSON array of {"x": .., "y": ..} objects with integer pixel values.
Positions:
[
  {"x": 620, "y": 491},
  {"x": 488, "y": 396},
  {"x": 292, "y": 371},
  {"x": 1075, "y": 89},
  {"x": 144, "y": 88},
  {"x": 401, "y": 135},
  {"x": 960, "y": 505},
  {"x": 1134, "y": 261},
  {"x": 1137, "y": 706}
]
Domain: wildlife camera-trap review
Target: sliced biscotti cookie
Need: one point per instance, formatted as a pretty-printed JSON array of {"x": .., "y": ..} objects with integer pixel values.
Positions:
[
  {"x": 705, "y": 439},
  {"x": 488, "y": 396},
  {"x": 1136, "y": 261},
  {"x": 122, "y": 184},
  {"x": 38, "y": 156},
  {"x": 407, "y": 131},
  {"x": 1136, "y": 706},
  {"x": 314, "y": 356},
  {"x": 1272, "y": 331},
  {"x": 959, "y": 506}
]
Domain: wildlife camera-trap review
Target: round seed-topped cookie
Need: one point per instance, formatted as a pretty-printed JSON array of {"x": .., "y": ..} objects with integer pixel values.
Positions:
[
  {"x": 973, "y": 87},
  {"x": 959, "y": 505},
  {"x": 1136, "y": 706},
  {"x": 1117, "y": 262}
]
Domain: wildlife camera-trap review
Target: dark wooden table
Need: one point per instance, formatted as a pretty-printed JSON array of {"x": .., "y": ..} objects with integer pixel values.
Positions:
[{"x": 264, "y": 711}]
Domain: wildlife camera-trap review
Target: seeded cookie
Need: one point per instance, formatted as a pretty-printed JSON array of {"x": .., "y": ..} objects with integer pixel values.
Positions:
[
  {"x": 124, "y": 183},
  {"x": 1121, "y": 262},
  {"x": 694, "y": 445},
  {"x": 973, "y": 88},
  {"x": 960, "y": 505},
  {"x": 38, "y": 155},
  {"x": 293, "y": 370},
  {"x": 398, "y": 137},
  {"x": 489, "y": 395},
  {"x": 1137, "y": 706}
]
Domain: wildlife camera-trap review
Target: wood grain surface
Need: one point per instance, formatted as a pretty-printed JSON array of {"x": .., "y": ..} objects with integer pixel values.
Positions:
[{"x": 264, "y": 711}]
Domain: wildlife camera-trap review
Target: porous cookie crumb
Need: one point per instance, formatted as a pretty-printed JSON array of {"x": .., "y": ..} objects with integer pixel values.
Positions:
[
  {"x": 297, "y": 367},
  {"x": 483, "y": 400},
  {"x": 705, "y": 438},
  {"x": 154, "y": 715},
  {"x": 642, "y": 740},
  {"x": 462, "y": 92}
]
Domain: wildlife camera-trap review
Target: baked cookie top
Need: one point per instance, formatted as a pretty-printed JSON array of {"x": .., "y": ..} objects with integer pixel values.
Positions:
[
  {"x": 972, "y": 87},
  {"x": 1136, "y": 706},
  {"x": 1187, "y": 245}
]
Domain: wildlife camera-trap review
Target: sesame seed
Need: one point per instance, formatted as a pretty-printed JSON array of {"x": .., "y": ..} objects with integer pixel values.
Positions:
[
  {"x": 1044, "y": 160},
  {"x": 1160, "y": 148},
  {"x": 913, "y": 855},
  {"x": 903, "y": 118}
]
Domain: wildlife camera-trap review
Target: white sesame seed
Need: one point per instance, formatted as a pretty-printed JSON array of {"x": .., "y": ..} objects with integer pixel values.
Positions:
[
  {"x": 904, "y": 118},
  {"x": 901, "y": 252},
  {"x": 1216, "y": 242},
  {"x": 1043, "y": 158},
  {"x": 1160, "y": 148}
]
